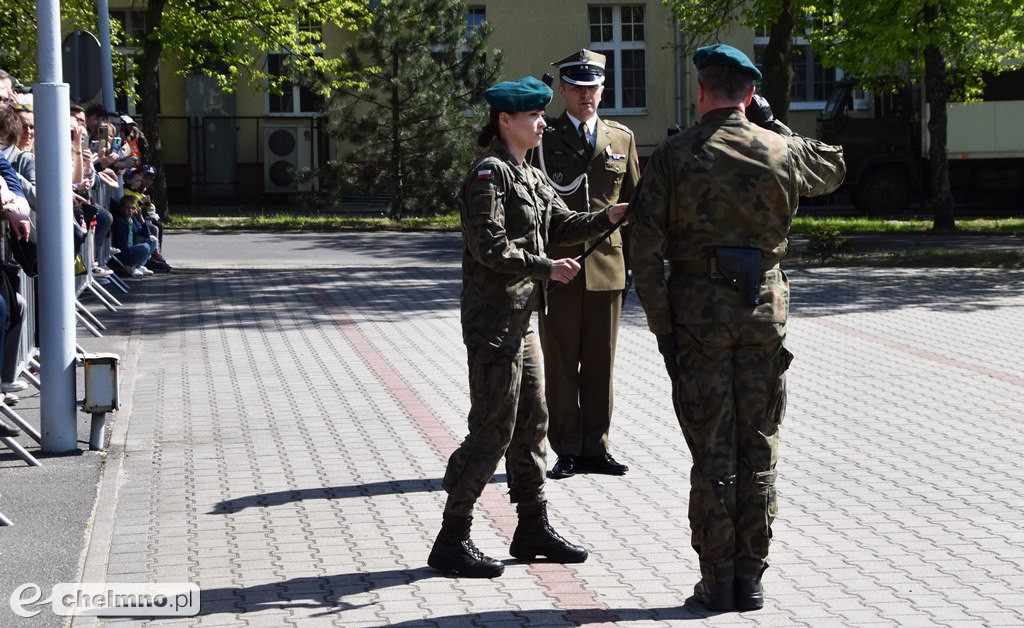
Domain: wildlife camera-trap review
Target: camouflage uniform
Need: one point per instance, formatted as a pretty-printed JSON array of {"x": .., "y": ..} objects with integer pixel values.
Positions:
[
  {"x": 509, "y": 213},
  {"x": 726, "y": 182}
]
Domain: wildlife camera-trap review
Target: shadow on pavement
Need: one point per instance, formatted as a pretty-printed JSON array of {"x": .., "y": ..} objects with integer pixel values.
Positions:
[
  {"x": 405, "y": 246},
  {"x": 328, "y": 593},
  {"x": 818, "y": 292},
  {"x": 373, "y": 489},
  {"x": 255, "y": 298}
]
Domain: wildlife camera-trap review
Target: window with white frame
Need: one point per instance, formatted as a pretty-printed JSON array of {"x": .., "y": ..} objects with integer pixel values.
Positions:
[
  {"x": 133, "y": 25},
  {"x": 618, "y": 32},
  {"x": 132, "y": 21},
  {"x": 295, "y": 98},
  {"x": 812, "y": 83},
  {"x": 475, "y": 18}
]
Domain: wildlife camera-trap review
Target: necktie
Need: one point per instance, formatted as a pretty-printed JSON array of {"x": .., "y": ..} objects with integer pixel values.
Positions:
[{"x": 585, "y": 136}]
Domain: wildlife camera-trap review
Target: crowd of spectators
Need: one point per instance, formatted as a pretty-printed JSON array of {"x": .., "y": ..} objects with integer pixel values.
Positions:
[{"x": 117, "y": 229}]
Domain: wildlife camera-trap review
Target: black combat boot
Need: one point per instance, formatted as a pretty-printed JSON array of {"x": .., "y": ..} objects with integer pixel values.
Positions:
[
  {"x": 534, "y": 537},
  {"x": 455, "y": 554},
  {"x": 749, "y": 594},
  {"x": 715, "y": 596}
]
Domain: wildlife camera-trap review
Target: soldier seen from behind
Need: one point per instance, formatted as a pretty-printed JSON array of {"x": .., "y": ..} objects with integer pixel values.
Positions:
[
  {"x": 509, "y": 213},
  {"x": 592, "y": 163},
  {"x": 716, "y": 201}
]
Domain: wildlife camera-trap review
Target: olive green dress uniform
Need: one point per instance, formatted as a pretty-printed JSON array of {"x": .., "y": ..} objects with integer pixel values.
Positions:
[
  {"x": 578, "y": 332},
  {"x": 726, "y": 182},
  {"x": 509, "y": 213}
]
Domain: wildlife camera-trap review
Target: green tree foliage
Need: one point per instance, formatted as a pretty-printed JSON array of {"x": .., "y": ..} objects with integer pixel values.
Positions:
[
  {"x": 950, "y": 44},
  {"x": 18, "y": 33},
  {"x": 412, "y": 121},
  {"x": 224, "y": 39},
  {"x": 704, "y": 22}
]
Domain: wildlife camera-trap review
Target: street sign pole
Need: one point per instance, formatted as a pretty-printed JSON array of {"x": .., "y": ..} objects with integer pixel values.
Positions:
[{"x": 106, "y": 60}]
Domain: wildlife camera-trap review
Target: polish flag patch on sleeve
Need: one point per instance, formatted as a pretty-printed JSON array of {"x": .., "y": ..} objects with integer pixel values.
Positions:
[{"x": 484, "y": 174}]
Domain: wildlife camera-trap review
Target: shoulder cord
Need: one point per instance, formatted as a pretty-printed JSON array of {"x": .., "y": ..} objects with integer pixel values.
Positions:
[{"x": 563, "y": 190}]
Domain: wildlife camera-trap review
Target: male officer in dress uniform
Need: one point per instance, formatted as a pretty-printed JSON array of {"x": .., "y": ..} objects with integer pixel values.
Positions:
[
  {"x": 716, "y": 201},
  {"x": 592, "y": 163}
]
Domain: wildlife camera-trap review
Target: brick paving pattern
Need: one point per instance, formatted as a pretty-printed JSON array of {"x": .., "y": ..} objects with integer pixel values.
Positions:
[{"x": 289, "y": 429}]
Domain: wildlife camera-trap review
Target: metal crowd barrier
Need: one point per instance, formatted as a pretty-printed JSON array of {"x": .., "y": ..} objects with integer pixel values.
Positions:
[{"x": 28, "y": 347}]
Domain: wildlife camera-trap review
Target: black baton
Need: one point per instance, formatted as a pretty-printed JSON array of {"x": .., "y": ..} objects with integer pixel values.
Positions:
[{"x": 604, "y": 236}]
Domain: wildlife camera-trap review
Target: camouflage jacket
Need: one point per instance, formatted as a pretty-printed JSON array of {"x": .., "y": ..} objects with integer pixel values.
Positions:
[
  {"x": 612, "y": 171},
  {"x": 509, "y": 213},
  {"x": 723, "y": 182}
]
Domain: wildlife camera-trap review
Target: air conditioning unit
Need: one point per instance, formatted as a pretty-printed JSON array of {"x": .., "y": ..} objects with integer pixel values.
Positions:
[{"x": 288, "y": 149}]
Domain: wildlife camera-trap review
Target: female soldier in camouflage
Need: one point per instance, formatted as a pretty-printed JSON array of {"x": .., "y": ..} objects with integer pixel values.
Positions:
[{"x": 509, "y": 212}]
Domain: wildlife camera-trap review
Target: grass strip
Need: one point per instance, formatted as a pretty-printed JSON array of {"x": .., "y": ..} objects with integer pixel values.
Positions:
[
  {"x": 450, "y": 222},
  {"x": 924, "y": 258}
]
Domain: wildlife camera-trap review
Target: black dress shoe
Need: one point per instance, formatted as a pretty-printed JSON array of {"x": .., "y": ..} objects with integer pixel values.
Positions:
[
  {"x": 749, "y": 594},
  {"x": 715, "y": 596},
  {"x": 601, "y": 464},
  {"x": 565, "y": 467},
  {"x": 6, "y": 431}
]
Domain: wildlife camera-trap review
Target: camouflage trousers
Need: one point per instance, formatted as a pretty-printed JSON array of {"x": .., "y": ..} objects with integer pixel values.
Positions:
[
  {"x": 508, "y": 417},
  {"x": 730, "y": 398}
]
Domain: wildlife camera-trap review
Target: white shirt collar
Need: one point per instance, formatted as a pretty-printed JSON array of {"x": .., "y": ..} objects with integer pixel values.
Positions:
[
  {"x": 591, "y": 126},
  {"x": 6, "y": 151}
]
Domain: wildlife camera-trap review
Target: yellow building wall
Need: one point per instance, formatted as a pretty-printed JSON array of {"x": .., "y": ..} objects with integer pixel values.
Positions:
[
  {"x": 534, "y": 33},
  {"x": 531, "y": 34}
]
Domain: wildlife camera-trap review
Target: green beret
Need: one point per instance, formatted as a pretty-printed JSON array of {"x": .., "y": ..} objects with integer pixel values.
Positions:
[
  {"x": 526, "y": 94},
  {"x": 724, "y": 54}
]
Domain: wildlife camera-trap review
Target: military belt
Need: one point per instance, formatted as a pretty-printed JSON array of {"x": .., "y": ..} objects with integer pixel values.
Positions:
[{"x": 706, "y": 266}]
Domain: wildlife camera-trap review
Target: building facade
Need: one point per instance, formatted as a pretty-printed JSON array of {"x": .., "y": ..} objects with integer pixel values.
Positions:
[{"x": 242, "y": 146}]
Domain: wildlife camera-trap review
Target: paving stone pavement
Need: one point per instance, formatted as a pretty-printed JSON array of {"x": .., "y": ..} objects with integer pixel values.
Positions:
[{"x": 289, "y": 426}]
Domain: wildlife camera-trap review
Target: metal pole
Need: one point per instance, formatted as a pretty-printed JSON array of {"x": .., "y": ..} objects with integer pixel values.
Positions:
[
  {"x": 106, "y": 60},
  {"x": 56, "y": 265},
  {"x": 98, "y": 431}
]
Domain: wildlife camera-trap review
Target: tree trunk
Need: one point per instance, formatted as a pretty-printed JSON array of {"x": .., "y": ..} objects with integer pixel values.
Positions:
[
  {"x": 397, "y": 162},
  {"x": 778, "y": 63},
  {"x": 149, "y": 105},
  {"x": 940, "y": 199}
]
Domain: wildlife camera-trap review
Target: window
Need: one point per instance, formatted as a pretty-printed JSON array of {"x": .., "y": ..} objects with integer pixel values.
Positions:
[
  {"x": 133, "y": 25},
  {"x": 132, "y": 21},
  {"x": 812, "y": 83},
  {"x": 618, "y": 32},
  {"x": 475, "y": 17},
  {"x": 296, "y": 98}
]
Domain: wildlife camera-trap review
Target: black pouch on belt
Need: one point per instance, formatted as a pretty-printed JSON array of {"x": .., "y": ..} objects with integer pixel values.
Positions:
[{"x": 741, "y": 267}]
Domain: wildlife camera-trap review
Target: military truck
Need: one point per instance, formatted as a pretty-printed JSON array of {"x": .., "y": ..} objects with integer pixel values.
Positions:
[{"x": 885, "y": 141}]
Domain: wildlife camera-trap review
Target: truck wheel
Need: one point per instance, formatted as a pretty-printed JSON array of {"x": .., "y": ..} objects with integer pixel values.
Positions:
[{"x": 883, "y": 190}]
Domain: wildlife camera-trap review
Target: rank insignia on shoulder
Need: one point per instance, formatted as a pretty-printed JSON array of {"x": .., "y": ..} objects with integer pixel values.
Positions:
[{"x": 482, "y": 175}]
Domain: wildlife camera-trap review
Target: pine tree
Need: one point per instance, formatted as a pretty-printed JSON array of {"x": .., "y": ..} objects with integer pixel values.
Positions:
[{"x": 410, "y": 128}]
